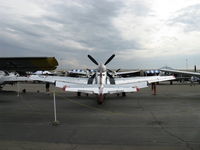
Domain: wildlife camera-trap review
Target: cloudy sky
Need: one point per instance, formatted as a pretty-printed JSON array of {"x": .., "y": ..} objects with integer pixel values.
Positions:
[{"x": 142, "y": 33}]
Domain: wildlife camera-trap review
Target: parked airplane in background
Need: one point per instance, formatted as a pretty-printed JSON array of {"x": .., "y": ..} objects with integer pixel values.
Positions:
[
  {"x": 12, "y": 67},
  {"x": 80, "y": 72},
  {"x": 10, "y": 78},
  {"x": 101, "y": 82},
  {"x": 192, "y": 76},
  {"x": 114, "y": 73},
  {"x": 43, "y": 73}
]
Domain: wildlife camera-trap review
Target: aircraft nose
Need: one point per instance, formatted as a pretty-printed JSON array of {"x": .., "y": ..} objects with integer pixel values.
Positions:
[{"x": 102, "y": 68}]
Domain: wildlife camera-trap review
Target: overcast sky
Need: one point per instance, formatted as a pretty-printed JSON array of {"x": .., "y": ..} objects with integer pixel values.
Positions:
[{"x": 142, "y": 33}]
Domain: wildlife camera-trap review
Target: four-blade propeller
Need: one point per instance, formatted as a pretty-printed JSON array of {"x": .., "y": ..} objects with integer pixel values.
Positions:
[{"x": 95, "y": 62}]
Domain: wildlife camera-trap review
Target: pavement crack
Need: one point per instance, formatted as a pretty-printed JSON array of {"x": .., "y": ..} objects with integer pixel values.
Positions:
[
  {"x": 159, "y": 123},
  {"x": 170, "y": 133},
  {"x": 71, "y": 136}
]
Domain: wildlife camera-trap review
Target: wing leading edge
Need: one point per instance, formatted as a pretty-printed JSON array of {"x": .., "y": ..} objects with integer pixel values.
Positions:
[
  {"x": 148, "y": 79},
  {"x": 181, "y": 72}
]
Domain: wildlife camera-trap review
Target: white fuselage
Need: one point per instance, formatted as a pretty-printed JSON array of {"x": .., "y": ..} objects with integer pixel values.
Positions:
[
  {"x": 101, "y": 77},
  {"x": 7, "y": 77}
]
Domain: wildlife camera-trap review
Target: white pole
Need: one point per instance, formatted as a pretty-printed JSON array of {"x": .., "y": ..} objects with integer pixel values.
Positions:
[
  {"x": 54, "y": 102},
  {"x": 55, "y": 122}
]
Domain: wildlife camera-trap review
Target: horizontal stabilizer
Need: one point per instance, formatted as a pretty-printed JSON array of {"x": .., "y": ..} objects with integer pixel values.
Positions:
[{"x": 69, "y": 87}]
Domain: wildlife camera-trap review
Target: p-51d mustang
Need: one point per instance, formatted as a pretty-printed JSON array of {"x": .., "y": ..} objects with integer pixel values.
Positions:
[{"x": 101, "y": 82}]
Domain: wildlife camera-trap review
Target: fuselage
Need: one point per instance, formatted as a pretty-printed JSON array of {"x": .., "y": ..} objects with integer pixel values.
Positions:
[{"x": 101, "y": 80}]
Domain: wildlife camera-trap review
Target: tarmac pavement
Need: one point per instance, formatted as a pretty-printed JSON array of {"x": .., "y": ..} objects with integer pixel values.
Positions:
[{"x": 168, "y": 121}]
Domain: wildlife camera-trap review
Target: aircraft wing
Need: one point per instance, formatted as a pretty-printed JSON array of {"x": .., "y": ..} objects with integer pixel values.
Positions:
[
  {"x": 11, "y": 79},
  {"x": 23, "y": 64},
  {"x": 148, "y": 79},
  {"x": 122, "y": 85},
  {"x": 74, "y": 87},
  {"x": 71, "y": 84},
  {"x": 54, "y": 79},
  {"x": 128, "y": 87},
  {"x": 181, "y": 72}
]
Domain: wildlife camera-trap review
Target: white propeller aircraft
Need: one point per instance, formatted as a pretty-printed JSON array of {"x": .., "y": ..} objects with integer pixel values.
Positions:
[
  {"x": 101, "y": 82},
  {"x": 10, "y": 78},
  {"x": 21, "y": 65}
]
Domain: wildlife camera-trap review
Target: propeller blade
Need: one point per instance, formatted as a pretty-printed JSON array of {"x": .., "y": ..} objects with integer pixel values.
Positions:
[
  {"x": 90, "y": 80},
  {"x": 109, "y": 75},
  {"x": 109, "y": 59},
  {"x": 109, "y": 70},
  {"x": 93, "y": 60}
]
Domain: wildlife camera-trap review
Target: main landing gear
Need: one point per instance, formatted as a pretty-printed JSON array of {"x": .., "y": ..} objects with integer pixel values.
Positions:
[
  {"x": 123, "y": 94},
  {"x": 153, "y": 87},
  {"x": 100, "y": 99},
  {"x": 78, "y": 94}
]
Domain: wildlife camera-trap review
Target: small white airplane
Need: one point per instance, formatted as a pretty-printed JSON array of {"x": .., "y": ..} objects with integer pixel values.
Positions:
[
  {"x": 13, "y": 67},
  {"x": 43, "y": 72},
  {"x": 101, "y": 82},
  {"x": 10, "y": 78},
  {"x": 80, "y": 72},
  {"x": 90, "y": 72}
]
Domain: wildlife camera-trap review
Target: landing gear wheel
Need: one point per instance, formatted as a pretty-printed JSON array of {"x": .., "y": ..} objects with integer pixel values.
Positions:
[
  {"x": 123, "y": 94},
  {"x": 99, "y": 102},
  {"x": 78, "y": 93},
  {"x": 100, "y": 99}
]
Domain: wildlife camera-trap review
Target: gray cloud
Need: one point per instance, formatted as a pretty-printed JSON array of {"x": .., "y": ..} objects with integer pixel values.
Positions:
[
  {"x": 69, "y": 30},
  {"x": 188, "y": 16},
  {"x": 92, "y": 26},
  {"x": 89, "y": 24}
]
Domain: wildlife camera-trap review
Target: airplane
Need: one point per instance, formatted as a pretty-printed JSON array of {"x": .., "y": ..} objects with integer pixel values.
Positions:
[
  {"x": 11, "y": 78},
  {"x": 101, "y": 82},
  {"x": 119, "y": 73},
  {"x": 80, "y": 72},
  {"x": 90, "y": 72},
  {"x": 14, "y": 69},
  {"x": 192, "y": 76},
  {"x": 152, "y": 72},
  {"x": 43, "y": 72}
]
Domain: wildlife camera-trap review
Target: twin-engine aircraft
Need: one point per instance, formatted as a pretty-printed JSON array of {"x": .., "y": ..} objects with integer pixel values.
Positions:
[{"x": 102, "y": 82}]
